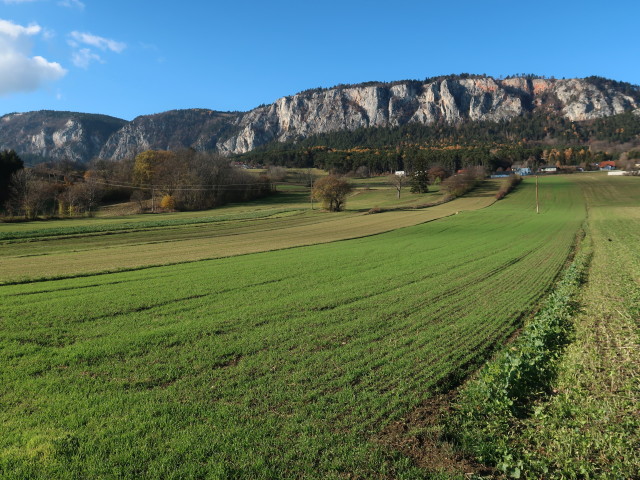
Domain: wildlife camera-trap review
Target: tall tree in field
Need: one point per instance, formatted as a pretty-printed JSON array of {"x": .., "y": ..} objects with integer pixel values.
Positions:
[
  {"x": 332, "y": 191},
  {"x": 420, "y": 182},
  {"x": 398, "y": 180}
]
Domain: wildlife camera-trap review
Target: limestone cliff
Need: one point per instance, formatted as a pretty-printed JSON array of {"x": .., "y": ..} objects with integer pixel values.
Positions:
[
  {"x": 57, "y": 135},
  {"x": 450, "y": 99}
]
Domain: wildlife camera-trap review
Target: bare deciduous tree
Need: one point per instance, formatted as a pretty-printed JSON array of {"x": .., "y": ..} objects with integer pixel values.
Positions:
[
  {"x": 398, "y": 180},
  {"x": 28, "y": 193}
]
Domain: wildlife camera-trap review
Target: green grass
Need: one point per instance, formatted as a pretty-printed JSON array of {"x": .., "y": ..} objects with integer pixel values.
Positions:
[
  {"x": 99, "y": 245},
  {"x": 135, "y": 225},
  {"x": 281, "y": 364},
  {"x": 385, "y": 197},
  {"x": 590, "y": 428},
  {"x": 540, "y": 411},
  {"x": 372, "y": 192}
]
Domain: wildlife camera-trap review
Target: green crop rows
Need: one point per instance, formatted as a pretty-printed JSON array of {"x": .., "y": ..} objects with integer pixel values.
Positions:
[
  {"x": 105, "y": 227},
  {"x": 281, "y": 364}
]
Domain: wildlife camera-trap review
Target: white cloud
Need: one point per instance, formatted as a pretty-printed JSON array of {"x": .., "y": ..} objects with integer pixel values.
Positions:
[
  {"x": 102, "y": 43},
  {"x": 71, "y": 4},
  {"x": 20, "y": 71},
  {"x": 83, "y": 57},
  {"x": 13, "y": 30}
]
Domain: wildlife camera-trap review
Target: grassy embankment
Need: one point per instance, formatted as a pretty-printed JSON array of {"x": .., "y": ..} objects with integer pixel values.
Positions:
[{"x": 272, "y": 365}]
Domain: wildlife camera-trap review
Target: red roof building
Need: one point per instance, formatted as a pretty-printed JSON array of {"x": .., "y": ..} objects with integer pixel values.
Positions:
[{"x": 607, "y": 163}]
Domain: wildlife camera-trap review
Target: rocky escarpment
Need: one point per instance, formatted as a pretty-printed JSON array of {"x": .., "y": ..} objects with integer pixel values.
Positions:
[
  {"x": 57, "y": 135},
  {"x": 199, "y": 129},
  {"x": 450, "y": 99}
]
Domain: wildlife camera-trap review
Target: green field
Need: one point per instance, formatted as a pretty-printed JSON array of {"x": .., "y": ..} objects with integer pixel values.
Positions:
[
  {"x": 79, "y": 246},
  {"x": 278, "y": 364},
  {"x": 591, "y": 427}
]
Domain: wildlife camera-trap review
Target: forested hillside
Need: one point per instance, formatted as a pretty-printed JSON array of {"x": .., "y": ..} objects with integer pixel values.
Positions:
[{"x": 534, "y": 139}]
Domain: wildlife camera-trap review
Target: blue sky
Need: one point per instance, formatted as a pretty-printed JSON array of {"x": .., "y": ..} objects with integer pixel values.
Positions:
[{"x": 133, "y": 57}]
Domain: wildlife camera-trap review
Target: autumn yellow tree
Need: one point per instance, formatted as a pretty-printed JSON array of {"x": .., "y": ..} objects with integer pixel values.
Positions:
[
  {"x": 159, "y": 172},
  {"x": 332, "y": 191}
]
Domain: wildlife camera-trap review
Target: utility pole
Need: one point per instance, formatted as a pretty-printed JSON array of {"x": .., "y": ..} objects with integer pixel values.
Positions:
[
  {"x": 537, "y": 197},
  {"x": 311, "y": 187}
]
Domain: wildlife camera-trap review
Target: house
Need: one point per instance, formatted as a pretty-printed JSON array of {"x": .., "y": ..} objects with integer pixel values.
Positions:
[
  {"x": 401, "y": 173},
  {"x": 522, "y": 171},
  {"x": 607, "y": 165},
  {"x": 549, "y": 169}
]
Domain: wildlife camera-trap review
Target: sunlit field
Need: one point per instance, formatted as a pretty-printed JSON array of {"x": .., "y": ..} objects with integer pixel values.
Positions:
[{"x": 284, "y": 363}]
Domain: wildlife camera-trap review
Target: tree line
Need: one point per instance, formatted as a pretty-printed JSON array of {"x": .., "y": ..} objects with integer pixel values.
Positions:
[
  {"x": 493, "y": 144},
  {"x": 154, "y": 180},
  {"x": 413, "y": 157}
]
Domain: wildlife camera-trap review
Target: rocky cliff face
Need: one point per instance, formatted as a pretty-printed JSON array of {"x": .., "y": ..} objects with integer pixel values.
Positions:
[
  {"x": 447, "y": 99},
  {"x": 174, "y": 130},
  {"x": 57, "y": 135}
]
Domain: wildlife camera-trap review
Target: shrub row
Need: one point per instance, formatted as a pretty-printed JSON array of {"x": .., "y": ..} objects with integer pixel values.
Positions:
[
  {"x": 463, "y": 182},
  {"x": 508, "y": 185},
  {"x": 489, "y": 407}
]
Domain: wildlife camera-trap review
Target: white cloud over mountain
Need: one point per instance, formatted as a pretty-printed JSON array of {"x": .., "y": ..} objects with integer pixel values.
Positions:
[
  {"x": 22, "y": 72},
  {"x": 83, "y": 56}
]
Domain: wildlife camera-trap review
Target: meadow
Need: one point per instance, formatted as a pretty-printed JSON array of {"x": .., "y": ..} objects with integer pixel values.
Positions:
[
  {"x": 279, "y": 364},
  {"x": 35, "y": 250}
]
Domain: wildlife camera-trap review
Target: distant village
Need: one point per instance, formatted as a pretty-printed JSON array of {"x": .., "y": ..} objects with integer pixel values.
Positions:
[{"x": 607, "y": 166}]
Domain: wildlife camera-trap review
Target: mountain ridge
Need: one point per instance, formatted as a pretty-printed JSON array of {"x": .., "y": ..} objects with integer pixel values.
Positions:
[{"x": 449, "y": 99}]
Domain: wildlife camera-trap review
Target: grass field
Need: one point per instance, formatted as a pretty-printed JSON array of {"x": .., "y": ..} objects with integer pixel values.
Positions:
[
  {"x": 280, "y": 364},
  {"x": 591, "y": 427},
  {"x": 79, "y": 246}
]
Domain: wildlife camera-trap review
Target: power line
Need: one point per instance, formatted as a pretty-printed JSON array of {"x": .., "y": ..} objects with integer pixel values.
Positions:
[{"x": 146, "y": 186}]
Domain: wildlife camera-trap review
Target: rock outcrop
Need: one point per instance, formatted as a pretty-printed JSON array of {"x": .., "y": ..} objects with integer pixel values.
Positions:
[
  {"x": 57, "y": 135},
  {"x": 450, "y": 99}
]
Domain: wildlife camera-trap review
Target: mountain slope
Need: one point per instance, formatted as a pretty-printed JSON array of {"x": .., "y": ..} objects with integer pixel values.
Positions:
[
  {"x": 450, "y": 100},
  {"x": 447, "y": 100},
  {"x": 49, "y": 134},
  {"x": 200, "y": 129}
]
